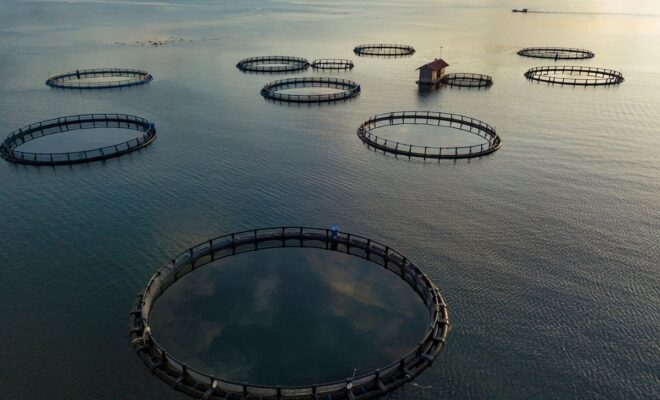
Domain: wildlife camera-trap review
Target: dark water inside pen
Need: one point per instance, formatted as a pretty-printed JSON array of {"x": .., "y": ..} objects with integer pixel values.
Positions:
[{"x": 546, "y": 252}]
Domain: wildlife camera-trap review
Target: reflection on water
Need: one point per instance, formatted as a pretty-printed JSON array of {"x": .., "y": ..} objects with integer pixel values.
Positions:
[
  {"x": 79, "y": 140},
  {"x": 289, "y": 317},
  {"x": 428, "y": 135}
]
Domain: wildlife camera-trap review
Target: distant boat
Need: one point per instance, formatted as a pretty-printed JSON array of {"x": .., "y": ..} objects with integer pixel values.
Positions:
[{"x": 524, "y": 10}]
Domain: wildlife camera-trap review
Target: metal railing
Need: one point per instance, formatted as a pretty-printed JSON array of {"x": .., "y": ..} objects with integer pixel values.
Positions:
[
  {"x": 374, "y": 384},
  {"x": 467, "y": 80},
  {"x": 587, "y": 76},
  {"x": 261, "y": 64},
  {"x": 382, "y": 49},
  {"x": 68, "y": 79},
  {"x": 348, "y": 89},
  {"x": 332, "y": 63},
  {"x": 76, "y": 122},
  {"x": 557, "y": 53},
  {"x": 456, "y": 121}
]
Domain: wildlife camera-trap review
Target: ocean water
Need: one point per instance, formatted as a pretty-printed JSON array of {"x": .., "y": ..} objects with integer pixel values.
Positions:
[{"x": 546, "y": 251}]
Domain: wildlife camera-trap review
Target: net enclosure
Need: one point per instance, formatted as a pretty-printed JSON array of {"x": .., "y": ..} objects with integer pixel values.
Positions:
[
  {"x": 332, "y": 63},
  {"x": 575, "y": 76},
  {"x": 492, "y": 141},
  {"x": 346, "y": 89},
  {"x": 384, "y": 50},
  {"x": 273, "y": 64},
  {"x": 467, "y": 80},
  {"x": 87, "y": 78},
  {"x": 556, "y": 53},
  {"x": 8, "y": 148},
  {"x": 371, "y": 385}
]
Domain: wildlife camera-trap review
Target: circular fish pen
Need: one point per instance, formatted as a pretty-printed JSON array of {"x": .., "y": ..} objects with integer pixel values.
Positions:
[
  {"x": 347, "y": 89},
  {"x": 75, "y": 79},
  {"x": 575, "y": 76},
  {"x": 384, "y": 50},
  {"x": 467, "y": 80},
  {"x": 455, "y": 121},
  {"x": 63, "y": 124},
  {"x": 273, "y": 64},
  {"x": 332, "y": 63},
  {"x": 556, "y": 53},
  {"x": 378, "y": 383}
]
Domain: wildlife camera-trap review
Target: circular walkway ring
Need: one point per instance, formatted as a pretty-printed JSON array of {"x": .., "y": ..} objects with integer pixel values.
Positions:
[
  {"x": 455, "y": 121},
  {"x": 74, "y": 122},
  {"x": 262, "y": 64},
  {"x": 332, "y": 63},
  {"x": 467, "y": 80},
  {"x": 384, "y": 50},
  {"x": 69, "y": 80},
  {"x": 556, "y": 53},
  {"x": 372, "y": 385},
  {"x": 348, "y": 88},
  {"x": 587, "y": 76}
]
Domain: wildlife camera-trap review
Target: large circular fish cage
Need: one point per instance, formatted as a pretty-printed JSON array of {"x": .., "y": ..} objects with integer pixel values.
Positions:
[
  {"x": 372, "y": 385},
  {"x": 460, "y": 122},
  {"x": 63, "y": 124},
  {"x": 273, "y": 64},
  {"x": 348, "y": 89},
  {"x": 384, "y": 50},
  {"x": 556, "y": 53},
  {"x": 467, "y": 80},
  {"x": 73, "y": 80},
  {"x": 575, "y": 76},
  {"x": 332, "y": 63}
]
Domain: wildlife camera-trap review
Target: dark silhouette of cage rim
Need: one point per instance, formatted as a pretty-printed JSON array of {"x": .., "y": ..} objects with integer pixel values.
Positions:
[
  {"x": 71, "y": 80},
  {"x": 583, "y": 76},
  {"x": 456, "y": 121},
  {"x": 272, "y": 64},
  {"x": 467, "y": 80},
  {"x": 74, "y": 122},
  {"x": 371, "y": 385},
  {"x": 348, "y": 89},
  {"x": 556, "y": 53},
  {"x": 332, "y": 63},
  {"x": 384, "y": 50}
]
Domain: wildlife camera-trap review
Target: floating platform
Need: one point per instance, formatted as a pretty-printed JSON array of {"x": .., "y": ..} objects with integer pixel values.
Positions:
[{"x": 372, "y": 385}]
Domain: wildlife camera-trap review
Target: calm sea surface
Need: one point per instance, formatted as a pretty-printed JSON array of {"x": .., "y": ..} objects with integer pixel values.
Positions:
[{"x": 547, "y": 252}]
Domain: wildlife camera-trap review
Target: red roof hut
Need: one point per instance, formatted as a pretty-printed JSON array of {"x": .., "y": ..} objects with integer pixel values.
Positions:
[{"x": 432, "y": 72}]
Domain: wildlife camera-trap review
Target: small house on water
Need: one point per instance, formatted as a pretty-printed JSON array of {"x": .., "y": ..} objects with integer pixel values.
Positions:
[{"x": 432, "y": 73}]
